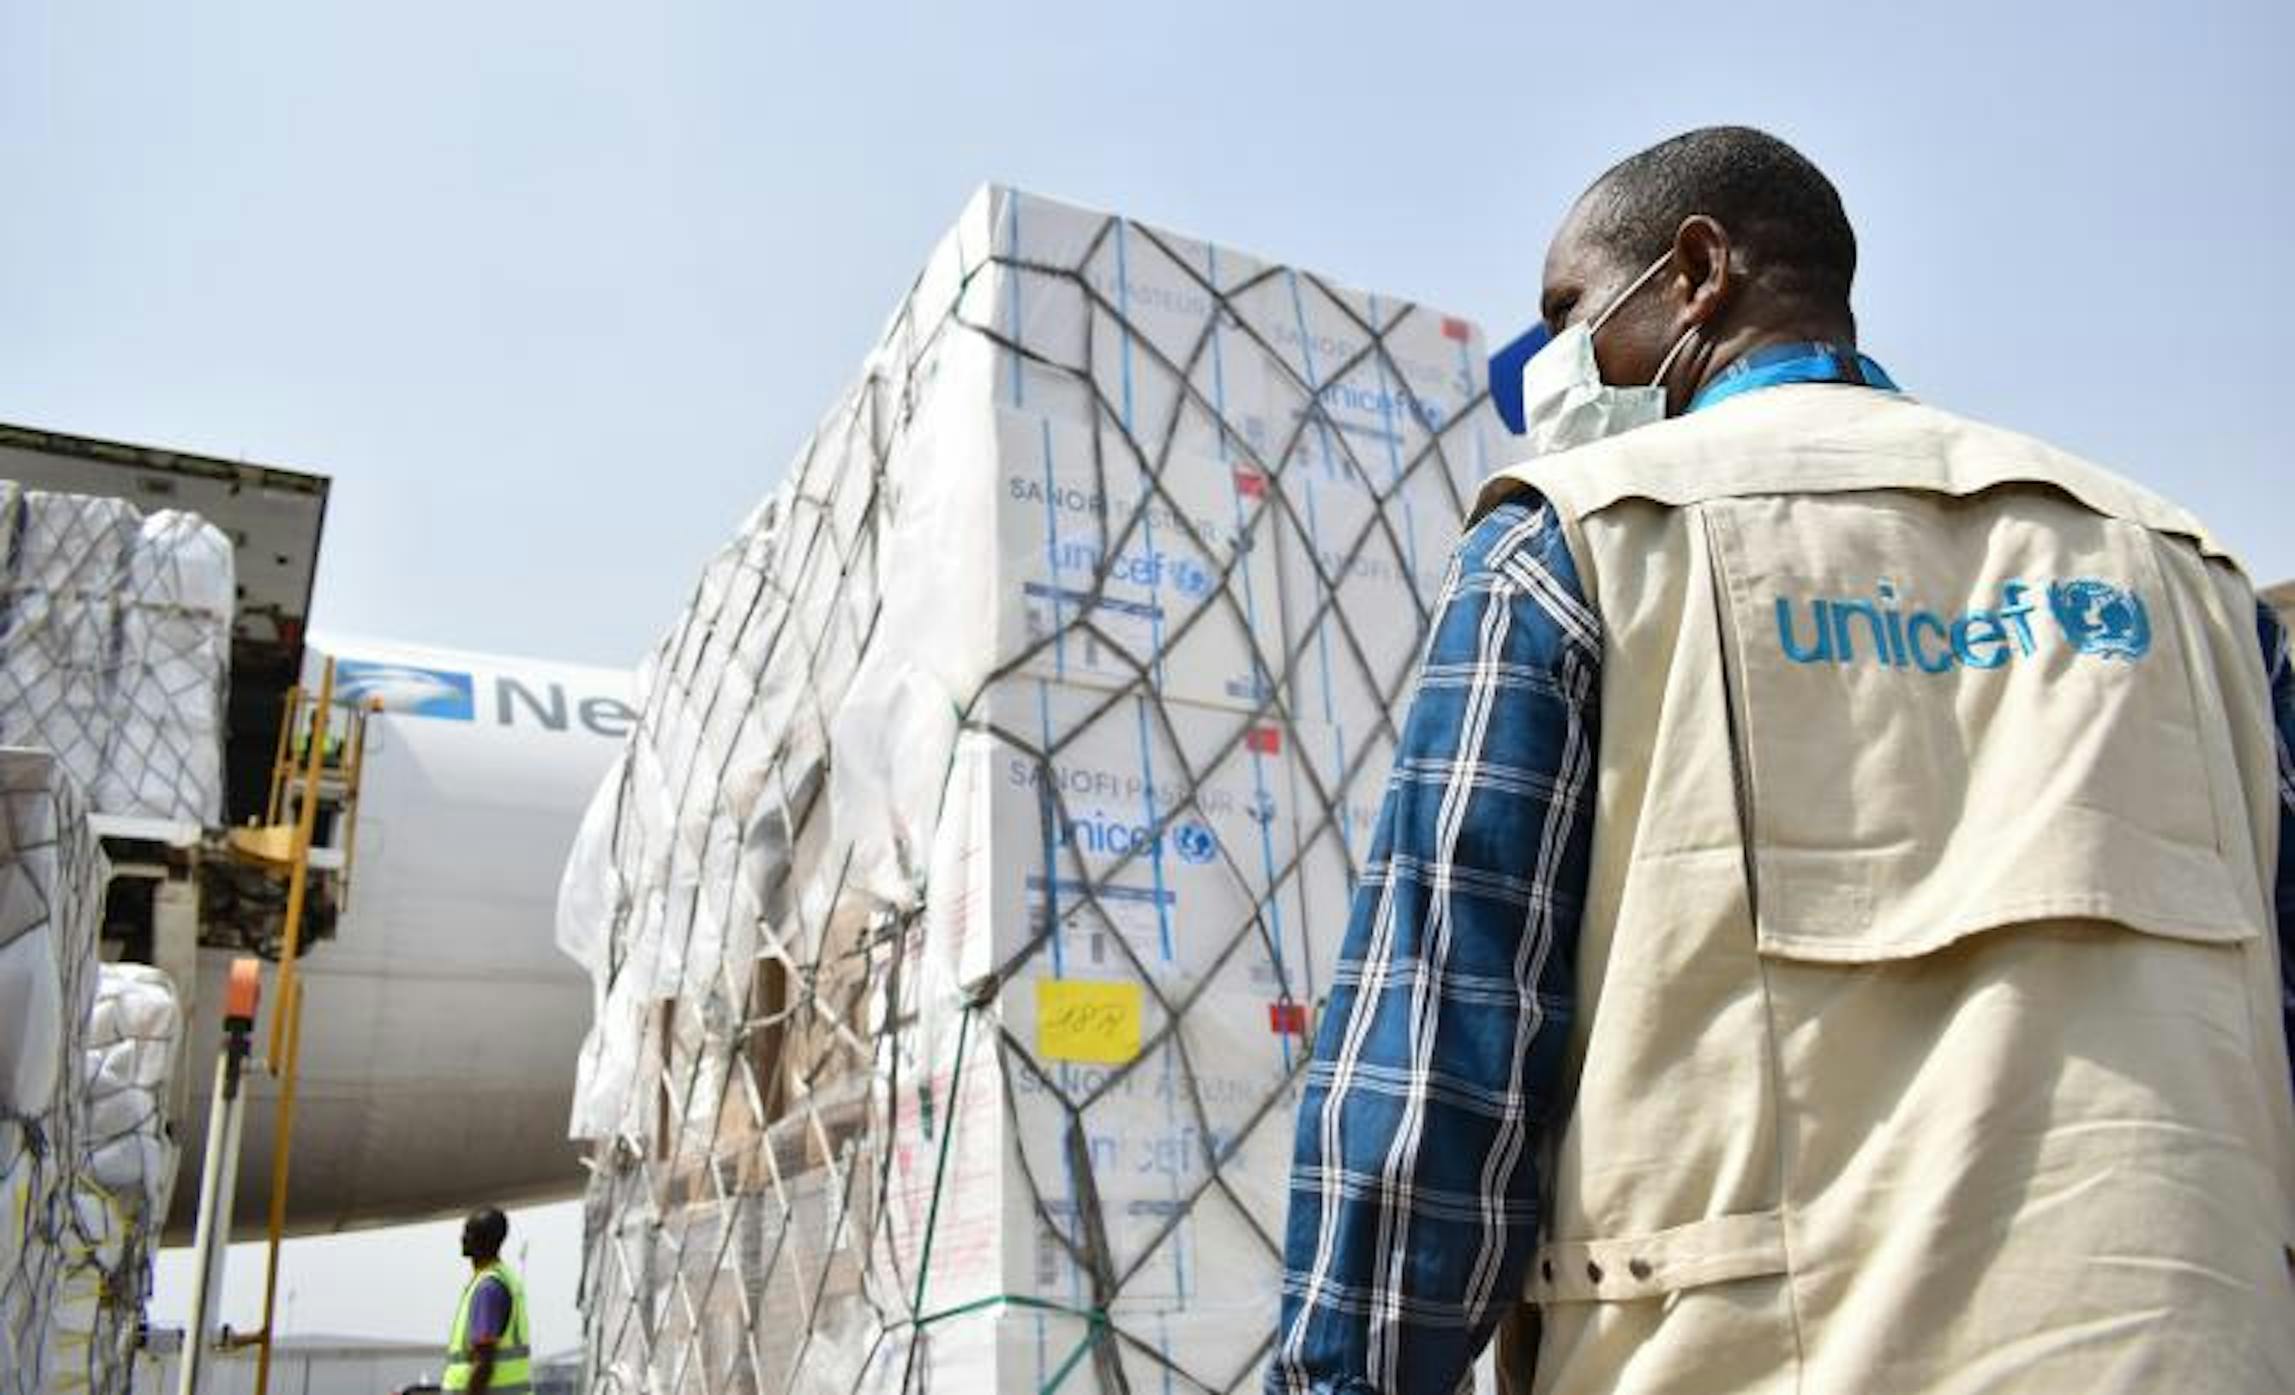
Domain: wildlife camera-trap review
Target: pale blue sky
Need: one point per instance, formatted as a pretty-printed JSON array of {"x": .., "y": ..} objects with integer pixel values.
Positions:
[{"x": 554, "y": 289}]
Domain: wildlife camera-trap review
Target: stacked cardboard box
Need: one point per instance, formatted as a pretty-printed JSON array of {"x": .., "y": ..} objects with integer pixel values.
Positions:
[
  {"x": 51, "y": 903},
  {"x": 959, "y": 910},
  {"x": 115, "y": 634}
]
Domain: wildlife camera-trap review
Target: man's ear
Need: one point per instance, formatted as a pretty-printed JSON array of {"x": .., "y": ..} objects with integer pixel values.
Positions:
[{"x": 1704, "y": 279}]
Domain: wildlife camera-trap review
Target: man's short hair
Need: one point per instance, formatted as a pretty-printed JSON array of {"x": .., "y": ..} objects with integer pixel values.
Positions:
[
  {"x": 488, "y": 1229},
  {"x": 1778, "y": 207}
]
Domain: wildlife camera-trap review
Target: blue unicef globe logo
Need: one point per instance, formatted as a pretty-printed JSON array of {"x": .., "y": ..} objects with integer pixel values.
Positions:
[
  {"x": 1195, "y": 843},
  {"x": 2101, "y": 619}
]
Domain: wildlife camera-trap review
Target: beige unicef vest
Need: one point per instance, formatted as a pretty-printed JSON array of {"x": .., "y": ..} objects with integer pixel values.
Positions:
[{"x": 1929, "y": 1031}]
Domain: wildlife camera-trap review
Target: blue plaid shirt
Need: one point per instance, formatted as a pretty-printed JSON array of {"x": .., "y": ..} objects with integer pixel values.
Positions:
[{"x": 1414, "y": 1197}]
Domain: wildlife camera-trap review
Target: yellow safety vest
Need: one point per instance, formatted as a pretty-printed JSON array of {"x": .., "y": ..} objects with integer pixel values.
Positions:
[{"x": 513, "y": 1372}]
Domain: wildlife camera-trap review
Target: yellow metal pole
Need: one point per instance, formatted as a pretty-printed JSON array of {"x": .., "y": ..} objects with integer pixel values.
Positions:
[
  {"x": 288, "y": 712},
  {"x": 282, "y": 1134},
  {"x": 299, "y": 871},
  {"x": 287, "y": 1013}
]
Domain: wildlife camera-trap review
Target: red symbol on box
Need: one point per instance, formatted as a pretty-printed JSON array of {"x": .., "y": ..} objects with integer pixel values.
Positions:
[
  {"x": 1459, "y": 330},
  {"x": 1267, "y": 741},
  {"x": 1287, "y": 1019},
  {"x": 1250, "y": 484}
]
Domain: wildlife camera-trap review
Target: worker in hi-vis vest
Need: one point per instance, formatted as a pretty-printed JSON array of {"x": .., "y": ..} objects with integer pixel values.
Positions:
[
  {"x": 488, "y": 1351},
  {"x": 1824, "y": 934}
]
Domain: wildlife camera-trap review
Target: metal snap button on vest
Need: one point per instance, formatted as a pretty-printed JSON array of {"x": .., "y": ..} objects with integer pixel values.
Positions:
[
  {"x": 1593, "y": 1271},
  {"x": 1640, "y": 1268}
]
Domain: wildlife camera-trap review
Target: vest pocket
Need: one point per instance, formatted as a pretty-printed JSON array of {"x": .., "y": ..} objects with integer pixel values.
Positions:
[
  {"x": 1949, "y": 716},
  {"x": 1715, "y": 1250}
]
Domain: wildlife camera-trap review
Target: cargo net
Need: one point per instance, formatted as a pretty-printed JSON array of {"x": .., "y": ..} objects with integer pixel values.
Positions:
[
  {"x": 119, "y": 1200},
  {"x": 961, "y": 906},
  {"x": 115, "y": 635},
  {"x": 52, "y": 877}
]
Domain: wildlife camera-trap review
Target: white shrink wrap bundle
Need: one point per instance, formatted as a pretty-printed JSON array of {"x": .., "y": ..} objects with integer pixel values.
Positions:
[
  {"x": 91, "y": 1333},
  {"x": 67, "y": 557},
  {"x": 52, "y": 877},
  {"x": 115, "y": 637},
  {"x": 959, "y": 910},
  {"x": 120, "y": 1198},
  {"x": 135, "y": 1036},
  {"x": 31, "y": 1252},
  {"x": 169, "y": 687}
]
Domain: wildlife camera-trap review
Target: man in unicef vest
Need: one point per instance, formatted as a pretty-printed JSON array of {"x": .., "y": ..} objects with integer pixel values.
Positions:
[
  {"x": 1824, "y": 932},
  {"x": 487, "y": 1353}
]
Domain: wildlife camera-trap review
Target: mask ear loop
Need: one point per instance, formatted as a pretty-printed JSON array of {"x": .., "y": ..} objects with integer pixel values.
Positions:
[
  {"x": 1594, "y": 326},
  {"x": 1665, "y": 365}
]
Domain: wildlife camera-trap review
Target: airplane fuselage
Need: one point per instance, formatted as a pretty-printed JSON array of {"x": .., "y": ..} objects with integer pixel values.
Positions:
[{"x": 440, "y": 1024}]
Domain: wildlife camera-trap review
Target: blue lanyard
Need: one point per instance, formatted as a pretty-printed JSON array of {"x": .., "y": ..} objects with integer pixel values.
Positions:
[{"x": 1780, "y": 364}]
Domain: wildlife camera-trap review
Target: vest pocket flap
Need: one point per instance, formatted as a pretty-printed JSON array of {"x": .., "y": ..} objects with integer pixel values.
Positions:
[
  {"x": 2079, "y": 864},
  {"x": 1712, "y": 1251},
  {"x": 1955, "y": 715}
]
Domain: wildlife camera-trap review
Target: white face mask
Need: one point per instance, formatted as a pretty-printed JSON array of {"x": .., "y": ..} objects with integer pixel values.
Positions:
[{"x": 1565, "y": 403}]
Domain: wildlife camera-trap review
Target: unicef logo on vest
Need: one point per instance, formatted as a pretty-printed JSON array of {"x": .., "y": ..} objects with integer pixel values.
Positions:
[{"x": 2100, "y": 619}]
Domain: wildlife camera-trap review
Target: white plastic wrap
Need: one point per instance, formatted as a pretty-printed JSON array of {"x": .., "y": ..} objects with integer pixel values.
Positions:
[
  {"x": 31, "y": 1255},
  {"x": 119, "y": 1200},
  {"x": 959, "y": 909},
  {"x": 91, "y": 1333},
  {"x": 115, "y": 634},
  {"x": 134, "y": 1038},
  {"x": 51, "y": 904}
]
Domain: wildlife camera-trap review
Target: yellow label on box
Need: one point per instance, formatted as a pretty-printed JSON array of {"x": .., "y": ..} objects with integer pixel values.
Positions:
[{"x": 1087, "y": 1020}]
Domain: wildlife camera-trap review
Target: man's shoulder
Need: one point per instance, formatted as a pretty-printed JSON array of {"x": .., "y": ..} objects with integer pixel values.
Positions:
[
  {"x": 2097, "y": 486},
  {"x": 490, "y": 1302},
  {"x": 1516, "y": 540},
  {"x": 1827, "y": 438},
  {"x": 1678, "y": 460}
]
